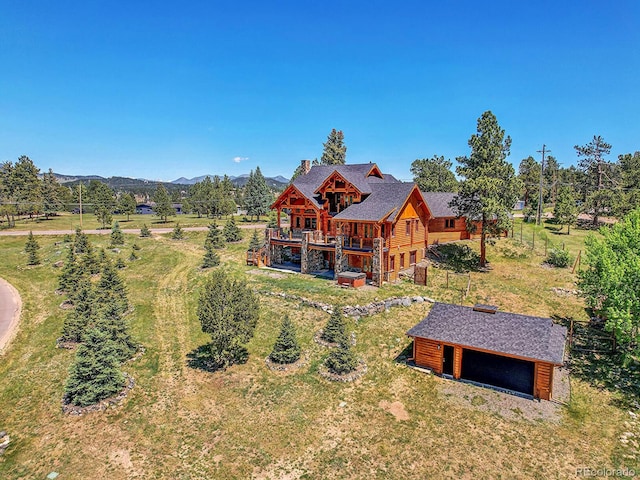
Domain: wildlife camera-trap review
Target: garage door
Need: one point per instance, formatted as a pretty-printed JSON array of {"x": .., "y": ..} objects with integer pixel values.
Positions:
[{"x": 504, "y": 372}]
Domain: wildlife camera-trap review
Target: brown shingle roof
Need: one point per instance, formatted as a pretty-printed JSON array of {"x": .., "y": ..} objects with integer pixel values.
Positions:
[{"x": 524, "y": 336}]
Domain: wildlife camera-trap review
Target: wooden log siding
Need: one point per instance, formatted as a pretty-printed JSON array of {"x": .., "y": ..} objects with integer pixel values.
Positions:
[
  {"x": 439, "y": 233},
  {"x": 543, "y": 378},
  {"x": 427, "y": 354},
  {"x": 457, "y": 361}
]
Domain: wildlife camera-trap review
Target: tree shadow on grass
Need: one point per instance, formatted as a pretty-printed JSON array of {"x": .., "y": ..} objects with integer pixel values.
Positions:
[
  {"x": 200, "y": 358},
  {"x": 592, "y": 360}
]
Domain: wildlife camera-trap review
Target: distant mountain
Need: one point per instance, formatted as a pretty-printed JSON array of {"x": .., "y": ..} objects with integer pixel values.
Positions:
[
  {"x": 62, "y": 178},
  {"x": 278, "y": 182},
  {"x": 125, "y": 183}
]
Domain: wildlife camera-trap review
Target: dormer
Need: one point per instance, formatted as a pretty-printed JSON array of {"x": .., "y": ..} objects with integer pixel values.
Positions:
[{"x": 375, "y": 172}]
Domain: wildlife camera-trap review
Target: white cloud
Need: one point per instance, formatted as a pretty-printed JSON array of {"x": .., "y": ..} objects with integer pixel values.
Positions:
[{"x": 240, "y": 159}]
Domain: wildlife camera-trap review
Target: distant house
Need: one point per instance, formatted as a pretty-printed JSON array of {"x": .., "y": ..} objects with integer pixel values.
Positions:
[
  {"x": 144, "y": 209},
  {"x": 514, "y": 352},
  {"x": 147, "y": 208}
]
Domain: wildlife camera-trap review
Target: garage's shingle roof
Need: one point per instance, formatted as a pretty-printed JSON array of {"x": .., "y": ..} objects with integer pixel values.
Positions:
[{"x": 525, "y": 336}]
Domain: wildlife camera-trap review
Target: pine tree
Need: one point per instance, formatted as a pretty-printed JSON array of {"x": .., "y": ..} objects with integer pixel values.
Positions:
[
  {"x": 70, "y": 274},
  {"x": 115, "y": 325},
  {"x": 102, "y": 257},
  {"x": 133, "y": 256},
  {"x": 214, "y": 237},
  {"x": 95, "y": 373},
  {"x": 228, "y": 311},
  {"x": 104, "y": 202},
  {"x": 342, "y": 360},
  {"x": 178, "y": 233},
  {"x": 144, "y": 231},
  {"x": 272, "y": 221},
  {"x": 111, "y": 290},
  {"x": 257, "y": 196},
  {"x": 31, "y": 248},
  {"x": 127, "y": 204},
  {"x": 255, "y": 243},
  {"x": 489, "y": 187},
  {"x": 89, "y": 261},
  {"x": 231, "y": 232},
  {"x": 211, "y": 257},
  {"x": 286, "y": 348},
  {"x": 117, "y": 237},
  {"x": 80, "y": 242},
  {"x": 335, "y": 327},
  {"x": 80, "y": 318},
  {"x": 566, "y": 210},
  {"x": 335, "y": 151},
  {"x": 120, "y": 263},
  {"x": 163, "y": 207}
]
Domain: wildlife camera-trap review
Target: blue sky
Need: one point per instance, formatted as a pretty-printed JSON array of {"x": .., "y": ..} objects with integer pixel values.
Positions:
[{"x": 167, "y": 89}]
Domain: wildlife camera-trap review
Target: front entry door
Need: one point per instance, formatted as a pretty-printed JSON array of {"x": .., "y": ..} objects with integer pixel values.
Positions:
[{"x": 447, "y": 360}]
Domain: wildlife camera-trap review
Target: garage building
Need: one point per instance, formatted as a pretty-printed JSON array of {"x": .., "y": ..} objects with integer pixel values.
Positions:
[{"x": 481, "y": 344}]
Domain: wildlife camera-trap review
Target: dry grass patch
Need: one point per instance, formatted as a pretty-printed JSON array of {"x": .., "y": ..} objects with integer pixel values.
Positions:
[{"x": 245, "y": 422}]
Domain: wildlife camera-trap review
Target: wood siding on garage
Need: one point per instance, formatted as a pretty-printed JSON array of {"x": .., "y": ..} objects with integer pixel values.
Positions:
[
  {"x": 457, "y": 361},
  {"x": 543, "y": 380},
  {"x": 427, "y": 354}
]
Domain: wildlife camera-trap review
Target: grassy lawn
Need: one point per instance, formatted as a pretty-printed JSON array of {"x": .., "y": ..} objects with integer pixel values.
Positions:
[
  {"x": 247, "y": 421},
  {"x": 71, "y": 221}
]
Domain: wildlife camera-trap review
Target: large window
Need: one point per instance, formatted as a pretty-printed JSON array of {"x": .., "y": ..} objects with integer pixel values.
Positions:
[
  {"x": 412, "y": 257},
  {"x": 450, "y": 223}
]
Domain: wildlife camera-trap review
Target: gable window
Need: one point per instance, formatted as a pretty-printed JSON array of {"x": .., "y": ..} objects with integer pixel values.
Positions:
[
  {"x": 450, "y": 223},
  {"x": 408, "y": 227},
  {"x": 417, "y": 225},
  {"x": 393, "y": 230}
]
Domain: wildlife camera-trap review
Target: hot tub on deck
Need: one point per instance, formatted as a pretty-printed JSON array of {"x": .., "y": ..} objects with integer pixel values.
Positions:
[{"x": 352, "y": 279}]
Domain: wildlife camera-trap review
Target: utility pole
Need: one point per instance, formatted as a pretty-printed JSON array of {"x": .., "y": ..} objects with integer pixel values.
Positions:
[
  {"x": 80, "y": 191},
  {"x": 543, "y": 151}
]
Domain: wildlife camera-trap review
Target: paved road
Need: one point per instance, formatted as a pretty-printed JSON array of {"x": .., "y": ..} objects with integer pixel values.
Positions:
[
  {"x": 136, "y": 231},
  {"x": 10, "y": 307}
]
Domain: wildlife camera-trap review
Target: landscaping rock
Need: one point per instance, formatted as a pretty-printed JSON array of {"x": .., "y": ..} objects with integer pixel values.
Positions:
[{"x": 356, "y": 311}]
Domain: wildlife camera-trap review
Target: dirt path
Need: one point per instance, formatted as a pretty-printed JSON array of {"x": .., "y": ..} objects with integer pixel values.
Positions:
[
  {"x": 10, "y": 308},
  {"x": 171, "y": 333},
  {"x": 135, "y": 231}
]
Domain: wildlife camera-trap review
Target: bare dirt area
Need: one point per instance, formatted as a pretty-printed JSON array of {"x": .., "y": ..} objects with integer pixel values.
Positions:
[
  {"x": 394, "y": 408},
  {"x": 509, "y": 407}
]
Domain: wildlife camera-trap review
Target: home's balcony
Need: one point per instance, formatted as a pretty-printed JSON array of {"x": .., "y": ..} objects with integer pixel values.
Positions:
[{"x": 358, "y": 243}]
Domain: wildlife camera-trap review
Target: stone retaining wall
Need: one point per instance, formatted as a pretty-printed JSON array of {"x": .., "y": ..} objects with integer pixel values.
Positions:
[{"x": 356, "y": 311}]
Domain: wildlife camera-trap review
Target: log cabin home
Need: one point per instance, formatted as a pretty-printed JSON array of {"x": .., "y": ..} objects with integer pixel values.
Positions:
[
  {"x": 516, "y": 353},
  {"x": 356, "y": 218}
]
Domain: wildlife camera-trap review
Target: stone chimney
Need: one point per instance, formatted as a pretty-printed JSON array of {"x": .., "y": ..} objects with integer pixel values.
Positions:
[{"x": 306, "y": 166}]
